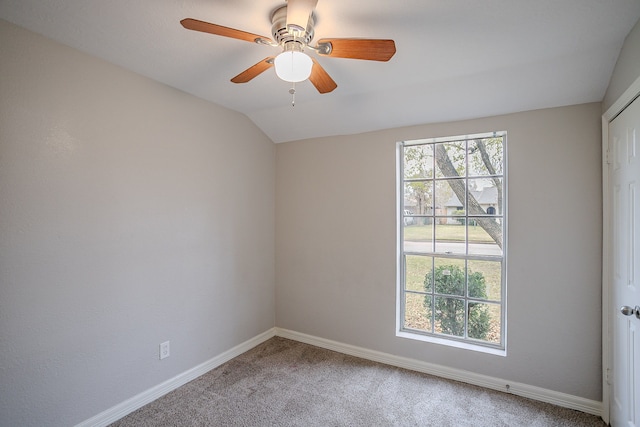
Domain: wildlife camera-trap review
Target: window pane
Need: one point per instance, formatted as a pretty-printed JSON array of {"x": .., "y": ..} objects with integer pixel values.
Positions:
[
  {"x": 476, "y": 233},
  {"x": 450, "y": 159},
  {"x": 418, "y": 198},
  {"x": 484, "y": 322},
  {"x": 446, "y": 200},
  {"x": 449, "y": 276},
  {"x": 480, "y": 241},
  {"x": 418, "y": 161},
  {"x": 488, "y": 164},
  {"x": 416, "y": 270},
  {"x": 485, "y": 279},
  {"x": 417, "y": 311},
  {"x": 418, "y": 237},
  {"x": 450, "y": 236},
  {"x": 485, "y": 196},
  {"x": 449, "y": 316}
]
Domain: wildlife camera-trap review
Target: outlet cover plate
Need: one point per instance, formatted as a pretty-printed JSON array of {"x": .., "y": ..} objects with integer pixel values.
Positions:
[{"x": 164, "y": 350}]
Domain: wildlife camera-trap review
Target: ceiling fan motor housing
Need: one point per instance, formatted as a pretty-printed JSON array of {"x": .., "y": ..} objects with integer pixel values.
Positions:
[{"x": 283, "y": 36}]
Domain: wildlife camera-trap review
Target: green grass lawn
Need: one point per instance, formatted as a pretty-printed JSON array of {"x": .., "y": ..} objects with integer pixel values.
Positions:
[{"x": 449, "y": 232}]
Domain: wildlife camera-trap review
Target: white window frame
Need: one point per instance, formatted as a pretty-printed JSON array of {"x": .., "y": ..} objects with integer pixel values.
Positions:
[{"x": 458, "y": 342}]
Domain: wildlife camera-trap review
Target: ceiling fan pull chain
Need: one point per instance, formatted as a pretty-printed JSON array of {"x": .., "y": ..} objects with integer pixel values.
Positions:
[{"x": 292, "y": 91}]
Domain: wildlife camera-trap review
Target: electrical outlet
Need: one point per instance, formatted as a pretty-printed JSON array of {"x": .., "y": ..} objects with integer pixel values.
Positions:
[{"x": 164, "y": 350}]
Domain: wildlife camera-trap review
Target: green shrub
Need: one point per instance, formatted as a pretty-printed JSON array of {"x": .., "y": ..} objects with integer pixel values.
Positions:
[{"x": 449, "y": 311}]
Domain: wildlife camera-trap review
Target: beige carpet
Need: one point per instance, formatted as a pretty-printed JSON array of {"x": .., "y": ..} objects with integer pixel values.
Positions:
[{"x": 287, "y": 383}]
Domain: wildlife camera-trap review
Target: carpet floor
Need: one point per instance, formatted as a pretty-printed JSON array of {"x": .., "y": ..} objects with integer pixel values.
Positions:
[{"x": 286, "y": 383}]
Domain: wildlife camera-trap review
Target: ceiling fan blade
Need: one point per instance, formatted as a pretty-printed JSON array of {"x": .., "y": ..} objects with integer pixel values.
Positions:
[
  {"x": 369, "y": 49},
  {"x": 254, "y": 70},
  {"x": 298, "y": 12},
  {"x": 219, "y": 30},
  {"x": 321, "y": 79}
]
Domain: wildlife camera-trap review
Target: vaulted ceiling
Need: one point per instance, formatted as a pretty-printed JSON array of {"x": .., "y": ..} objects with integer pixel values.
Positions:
[{"x": 456, "y": 59}]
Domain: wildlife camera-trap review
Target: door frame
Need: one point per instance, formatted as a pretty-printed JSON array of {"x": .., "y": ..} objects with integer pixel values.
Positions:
[{"x": 612, "y": 112}]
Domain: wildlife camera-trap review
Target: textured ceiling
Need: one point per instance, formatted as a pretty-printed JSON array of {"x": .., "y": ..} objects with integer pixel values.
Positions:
[{"x": 456, "y": 59}]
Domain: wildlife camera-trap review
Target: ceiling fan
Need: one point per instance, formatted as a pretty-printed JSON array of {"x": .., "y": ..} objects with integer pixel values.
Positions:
[{"x": 292, "y": 30}]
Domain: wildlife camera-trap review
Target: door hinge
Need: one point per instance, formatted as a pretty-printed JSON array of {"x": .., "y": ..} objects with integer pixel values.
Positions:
[
  {"x": 608, "y": 156},
  {"x": 607, "y": 376}
]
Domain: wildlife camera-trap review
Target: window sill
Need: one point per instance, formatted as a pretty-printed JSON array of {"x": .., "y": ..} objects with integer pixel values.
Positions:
[{"x": 452, "y": 343}]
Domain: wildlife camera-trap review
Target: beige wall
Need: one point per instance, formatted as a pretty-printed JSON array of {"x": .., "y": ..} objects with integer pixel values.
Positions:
[
  {"x": 336, "y": 242},
  {"x": 627, "y": 68},
  {"x": 130, "y": 214}
]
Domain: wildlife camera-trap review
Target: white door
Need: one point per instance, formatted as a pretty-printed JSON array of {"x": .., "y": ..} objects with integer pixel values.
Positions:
[{"x": 624, "y": 145}]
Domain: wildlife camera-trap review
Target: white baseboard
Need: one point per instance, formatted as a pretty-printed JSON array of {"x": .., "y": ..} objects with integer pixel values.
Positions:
[
  {"x": 561, "y": 399},
  {"x": 115, "y": 413},
  {"x": 544, "y": 395}
]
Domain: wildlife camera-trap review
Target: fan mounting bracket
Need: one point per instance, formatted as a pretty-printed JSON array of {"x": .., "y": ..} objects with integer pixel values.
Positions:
[
  {"x": 266, "y": 42},
  {"x": 324, "y": 48}
]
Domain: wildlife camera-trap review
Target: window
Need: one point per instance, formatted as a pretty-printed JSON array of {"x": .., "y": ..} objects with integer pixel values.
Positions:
[{"x": 451, "y": 240}]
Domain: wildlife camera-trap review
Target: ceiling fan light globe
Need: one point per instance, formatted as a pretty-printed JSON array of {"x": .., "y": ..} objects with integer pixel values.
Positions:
[{"x": 293, "y": 66}]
